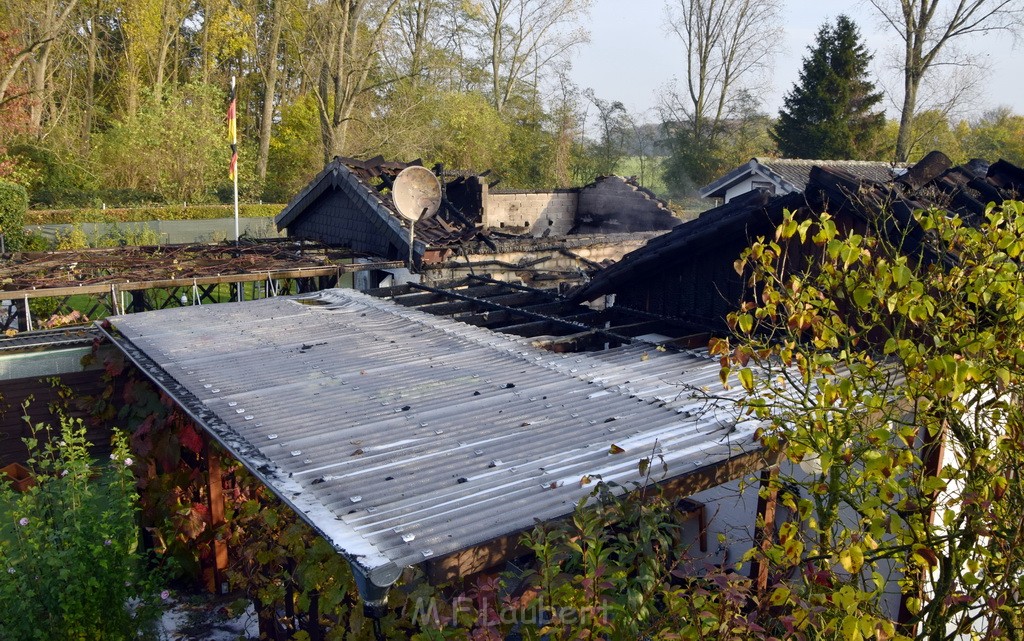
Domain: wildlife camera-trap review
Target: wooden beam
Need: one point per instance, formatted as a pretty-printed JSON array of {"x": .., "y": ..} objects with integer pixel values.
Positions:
[
  {"x": 485, "y": 319},
  {"x": 720, "y": 473},
  {"x": 475, "y": 559},
  {"x": 215, "y": 488},
  {"x": 533, "y": 328},
  {"x": 764, "y": 528},
  {"x": 128, "y": 285},
  {"x": 498, "y": 551}
]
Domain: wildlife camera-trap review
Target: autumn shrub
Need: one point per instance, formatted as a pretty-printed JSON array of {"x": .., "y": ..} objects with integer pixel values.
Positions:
[
  {"x": 70, "y": 563},
  {"x": 887, "y": 366},
  {"x": 73, "y": 238},
  {"x": 13, "y": 205}
]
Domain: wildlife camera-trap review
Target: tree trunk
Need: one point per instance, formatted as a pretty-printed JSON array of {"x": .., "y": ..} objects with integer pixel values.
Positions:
[
  {"x": 270, "y": 89},
  {"x": 8, "y": 78},
  {"x": 345, "y": 68},
  {"x": 323, "y": 91},
  {"x": 903, "y": 140},
  {"x": 499, "y": 18},
  {"x": 38, "y": 87},
  {"x": 419, "y": 37},
  {"x": 207, "y": 21},
  {"x": 90, "y": 80},
  {"x": 161, "y": 62}
]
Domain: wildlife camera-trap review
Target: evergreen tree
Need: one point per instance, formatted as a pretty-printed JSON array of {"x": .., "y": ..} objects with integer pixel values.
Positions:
[{"x": 828, "y": 114}]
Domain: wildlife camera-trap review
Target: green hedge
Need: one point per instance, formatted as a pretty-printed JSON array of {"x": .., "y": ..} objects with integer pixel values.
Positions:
[
  {"x": 142, "y": 214},
  {"x": 13, "y": 205}
]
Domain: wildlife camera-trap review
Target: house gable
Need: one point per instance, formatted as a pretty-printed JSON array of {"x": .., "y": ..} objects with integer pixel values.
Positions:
[
  {"x": 781, "y": 176},
  {"x": 336, "y": 208}
]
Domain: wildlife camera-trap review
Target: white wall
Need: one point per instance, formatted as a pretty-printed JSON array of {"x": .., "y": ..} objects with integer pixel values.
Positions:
[{"x": 747, "y": 185}]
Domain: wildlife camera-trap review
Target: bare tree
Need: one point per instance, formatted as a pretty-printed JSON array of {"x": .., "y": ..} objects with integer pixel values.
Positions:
[
  {"x": 39, "y": 24},
  {"x": 927, "y": 29},
  {"x": 615, "y": 124},
  {"x": 269, "y": 69},
  {"x": 413, "y": 23},
  {"x": 725, "y": 43},
  {"x": 348, "y": 34},
  {"x": 523, "y": 37}
]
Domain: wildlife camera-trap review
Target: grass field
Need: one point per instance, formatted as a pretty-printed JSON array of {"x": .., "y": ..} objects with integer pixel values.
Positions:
[{"x": 648, "y": 176}]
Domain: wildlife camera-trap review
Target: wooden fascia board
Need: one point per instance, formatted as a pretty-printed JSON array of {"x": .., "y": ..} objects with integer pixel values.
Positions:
[{"x": 494, "y": 552}]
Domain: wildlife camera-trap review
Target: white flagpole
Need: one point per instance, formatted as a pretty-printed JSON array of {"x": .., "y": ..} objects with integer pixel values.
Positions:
[{"x": 235, "y": 143}]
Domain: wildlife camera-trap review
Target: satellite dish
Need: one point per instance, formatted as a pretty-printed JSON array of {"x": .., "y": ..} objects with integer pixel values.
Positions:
[{"x": 416, "y": 193}]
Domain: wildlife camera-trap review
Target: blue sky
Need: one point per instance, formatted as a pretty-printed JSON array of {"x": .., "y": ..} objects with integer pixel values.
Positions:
[{"x": 631, "y": 55}]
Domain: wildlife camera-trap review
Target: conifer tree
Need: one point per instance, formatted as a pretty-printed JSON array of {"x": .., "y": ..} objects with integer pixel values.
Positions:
[{"x": 828, "y": 113}]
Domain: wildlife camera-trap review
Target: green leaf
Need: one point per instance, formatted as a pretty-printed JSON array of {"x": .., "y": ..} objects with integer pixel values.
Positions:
[{"x": 862, "y": 297}]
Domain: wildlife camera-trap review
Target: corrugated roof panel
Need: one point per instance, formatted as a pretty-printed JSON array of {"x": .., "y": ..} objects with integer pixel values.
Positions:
[{"x": 402, "y": 436}]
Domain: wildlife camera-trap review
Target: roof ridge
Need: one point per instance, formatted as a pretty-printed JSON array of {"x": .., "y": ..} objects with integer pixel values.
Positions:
[{"x": 813, "y": 161}]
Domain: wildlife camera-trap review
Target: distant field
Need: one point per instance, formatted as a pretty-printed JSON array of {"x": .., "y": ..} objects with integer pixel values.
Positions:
[{"x": 651, "y": 179}]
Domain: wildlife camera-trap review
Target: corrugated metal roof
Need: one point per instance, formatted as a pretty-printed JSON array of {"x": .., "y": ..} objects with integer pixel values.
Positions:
[
  {"x": 402, "y": 436},
  {"x": 48, "y": 339}
]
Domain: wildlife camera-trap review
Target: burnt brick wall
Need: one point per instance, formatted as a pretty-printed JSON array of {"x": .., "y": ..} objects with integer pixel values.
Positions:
[
  {"x": 612, "y": 205},
  {"x": 552, "y": 213}
]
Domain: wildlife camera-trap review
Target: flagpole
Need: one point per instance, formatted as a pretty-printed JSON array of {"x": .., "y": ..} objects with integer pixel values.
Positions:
[{"x": 234, "y": 143}]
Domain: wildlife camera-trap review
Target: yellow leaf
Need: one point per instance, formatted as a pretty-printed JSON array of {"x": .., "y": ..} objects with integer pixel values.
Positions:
[
  {"x": 852, "y": 559},
  {"x": 615, "y": 449},
  {"x": 746, "y": 379},
  {"x": 851, "y": 629}
]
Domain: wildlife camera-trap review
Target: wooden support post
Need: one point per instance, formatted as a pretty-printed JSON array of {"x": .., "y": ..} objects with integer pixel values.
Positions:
[
  {"x": 696, "y": 510},
  {"x": 313, "y": 623},
  {"x": 25, "y": 316},
  {"x": 764, "y": 528},
  {"x": 215, "y": 487},
  {"x": 933, "y": 451},
  {"x": 139, "y": 300}
]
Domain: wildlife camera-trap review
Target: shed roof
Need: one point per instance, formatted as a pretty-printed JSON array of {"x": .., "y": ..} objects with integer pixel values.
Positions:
[
  {"x": 402, "y": 436},
  {"x": 792, "y": 174},
  {"x": 48, "y": 339}
]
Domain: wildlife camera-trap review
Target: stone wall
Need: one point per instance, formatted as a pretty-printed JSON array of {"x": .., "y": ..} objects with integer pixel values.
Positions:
[{"x": 536, "y": 213}]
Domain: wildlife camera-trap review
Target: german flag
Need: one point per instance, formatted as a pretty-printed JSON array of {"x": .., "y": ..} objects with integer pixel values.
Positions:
[{"x": 232, "y": 133}]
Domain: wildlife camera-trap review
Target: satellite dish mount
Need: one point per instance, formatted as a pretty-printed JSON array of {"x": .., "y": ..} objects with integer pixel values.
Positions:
[{"x": 416, "y": 193}]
